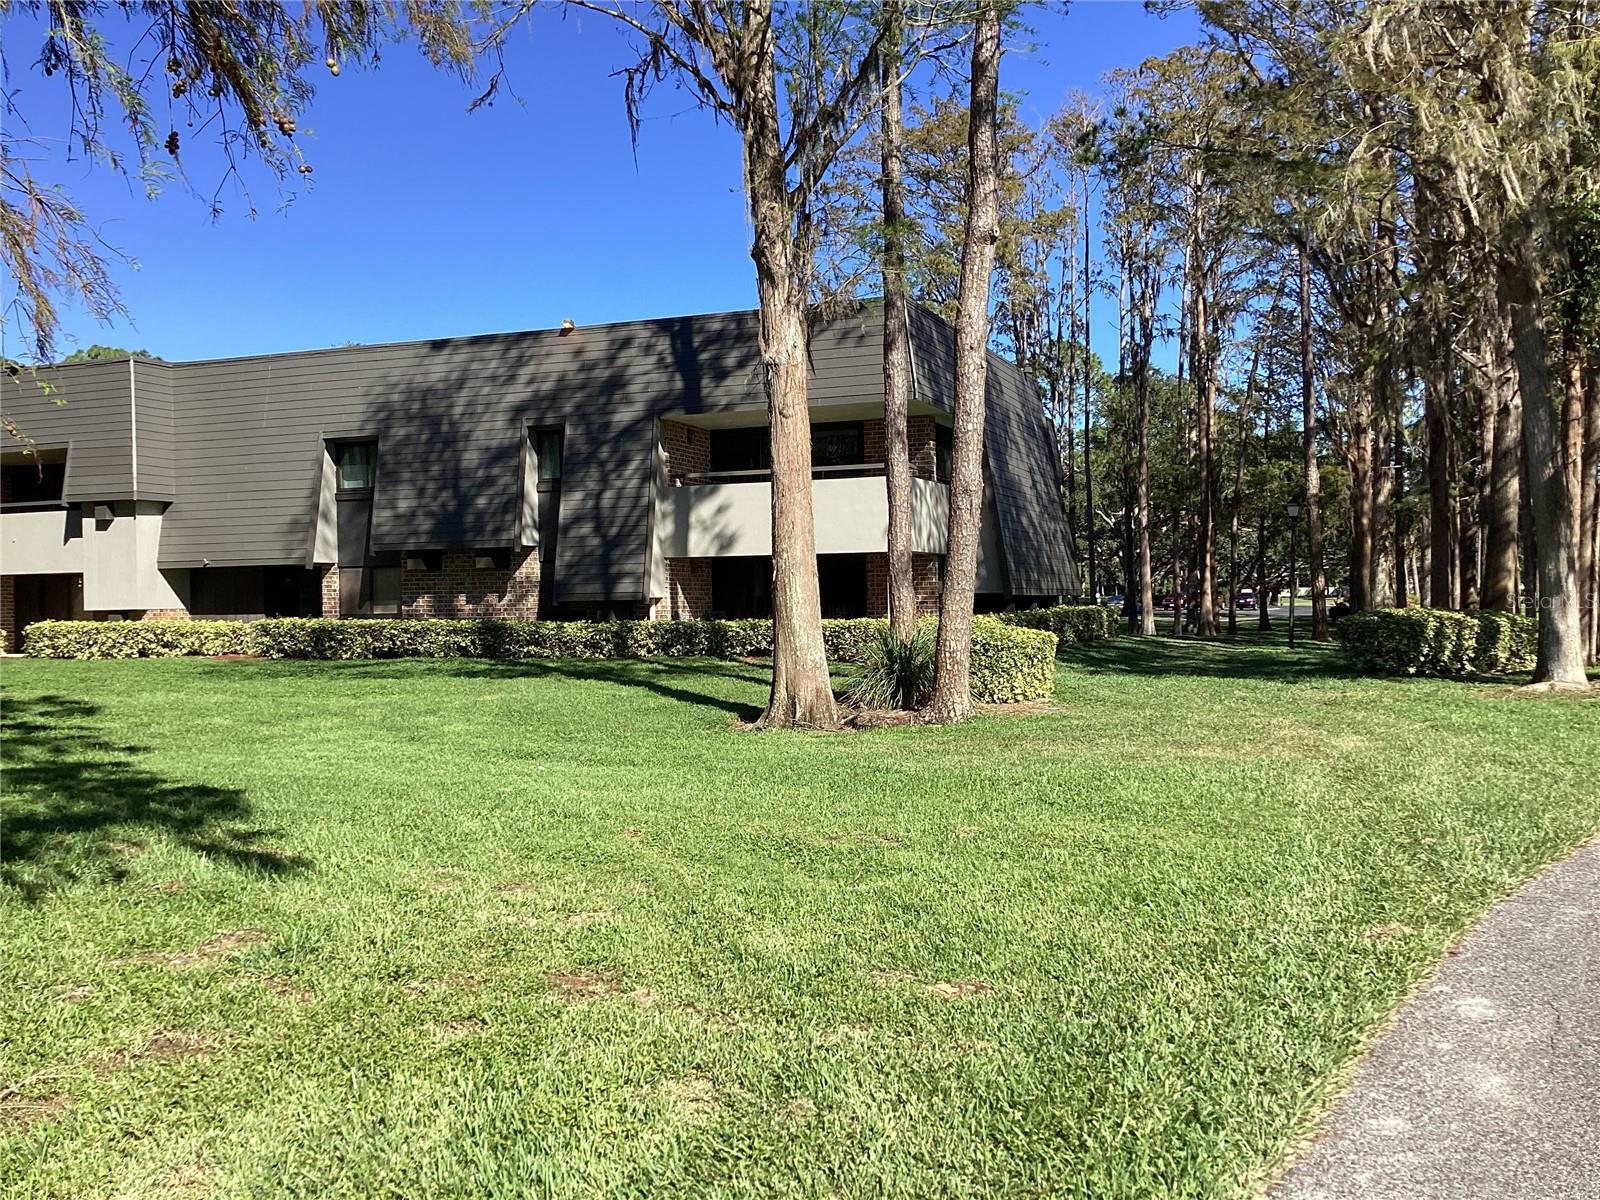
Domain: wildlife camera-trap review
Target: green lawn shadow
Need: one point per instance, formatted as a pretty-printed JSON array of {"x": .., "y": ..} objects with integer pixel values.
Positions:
[
  {"x": 673, "y": 678},
  {"x": 78, "y": 807},
  {"x": 1248, "y": 654}
]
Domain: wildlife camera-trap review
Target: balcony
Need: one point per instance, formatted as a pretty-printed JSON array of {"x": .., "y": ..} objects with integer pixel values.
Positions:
[
  {"x": 847, "y": 471},
  {"x": 115, "y": 552},
  {"x": 731, "y": 513}
]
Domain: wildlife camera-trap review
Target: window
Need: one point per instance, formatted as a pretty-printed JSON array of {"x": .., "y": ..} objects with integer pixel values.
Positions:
[
  {"x": 944, "y": 441},
  {"x": 370, "y": 591},
  {"x": 838, "y": 444},
  {"x": 357, "y": 463},
  {"x": 741, "y": 449},
  {"x": 29, "y": 480},
  {"x": 833, "y": 444},
  {"x": 385, "y": 595},
  {"x": 547, "y": 446}
]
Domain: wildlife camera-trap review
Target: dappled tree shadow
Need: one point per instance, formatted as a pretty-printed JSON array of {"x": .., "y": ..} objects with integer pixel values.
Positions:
[
  {"x": 669, "y": 677},
  {"x": 1244, "y": 657},
  {"x": 79, "y": 807}
]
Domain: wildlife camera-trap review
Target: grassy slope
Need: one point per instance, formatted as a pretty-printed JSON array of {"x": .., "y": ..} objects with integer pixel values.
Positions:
[{"x": 1193, "y": 891}]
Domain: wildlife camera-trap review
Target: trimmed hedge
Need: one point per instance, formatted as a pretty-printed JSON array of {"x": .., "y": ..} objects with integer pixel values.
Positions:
[
  {"x": 1436, "y": 641},
  {"x": 1071, "y": 623},
  {"x": 135, "y": 639},
  {"x": 1506, "y": 642},
  {"x": 1011, "y": 663},
  {"x": 1008, "y": 664}
]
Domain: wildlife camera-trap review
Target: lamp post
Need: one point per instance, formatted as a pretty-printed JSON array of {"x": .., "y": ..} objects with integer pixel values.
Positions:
[{"x": 1293, "y": 510}]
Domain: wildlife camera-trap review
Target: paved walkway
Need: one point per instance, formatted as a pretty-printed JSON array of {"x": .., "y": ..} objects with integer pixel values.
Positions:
[{"x": 1487, "y": 1087}]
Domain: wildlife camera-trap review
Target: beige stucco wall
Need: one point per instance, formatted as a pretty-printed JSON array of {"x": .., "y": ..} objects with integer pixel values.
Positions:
[
  {"x": 117, "y": 558},
  {"x": 852, "y": 517}
]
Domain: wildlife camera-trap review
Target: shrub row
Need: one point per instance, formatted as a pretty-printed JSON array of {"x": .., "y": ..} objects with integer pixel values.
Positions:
[
  {"x": 1007, "y": 663},
  {"x": 1436, "y": 641},
  {"x": 1011, "y": 663},
  {"x": 1071, "y": 623}
]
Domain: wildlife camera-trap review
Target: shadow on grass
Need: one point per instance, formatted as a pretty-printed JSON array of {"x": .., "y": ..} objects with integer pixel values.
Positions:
[
  {"x": 1246, "y": 655},
  {"x": 674, "y": 678},
  {"x": 78, "y": 807}
]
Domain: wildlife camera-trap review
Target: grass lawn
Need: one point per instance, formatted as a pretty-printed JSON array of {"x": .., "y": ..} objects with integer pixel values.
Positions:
[{"x": 466, "y": 928}]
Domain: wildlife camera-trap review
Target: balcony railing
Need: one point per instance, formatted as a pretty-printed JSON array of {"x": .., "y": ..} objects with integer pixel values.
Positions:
[{"x": 846, "y": 471}]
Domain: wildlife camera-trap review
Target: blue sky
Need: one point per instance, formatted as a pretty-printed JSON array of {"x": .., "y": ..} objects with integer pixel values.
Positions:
[{"x": 426, "y": 221}]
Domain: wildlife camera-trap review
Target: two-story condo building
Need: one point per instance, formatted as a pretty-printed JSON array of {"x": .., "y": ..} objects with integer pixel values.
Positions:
[{"x": 616, "y": 470}]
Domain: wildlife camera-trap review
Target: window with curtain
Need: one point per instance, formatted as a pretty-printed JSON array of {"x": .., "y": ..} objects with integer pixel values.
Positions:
[
  {"x": 357, "y": 464},
  {"x": 547, "y": 445}
]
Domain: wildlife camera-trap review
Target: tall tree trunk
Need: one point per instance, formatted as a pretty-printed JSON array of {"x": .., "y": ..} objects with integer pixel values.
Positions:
[
  {"x": 1361, "y": 532},
  {"x": 1246, "y": 407},
  {"x": 1234, "y": 508},
  {"x": 1590, "y": 504},
  {"x": 1130, "y": 561},
  {"x": 802, "y": 694},
  {"x": 952, "y": 693},
  {"x": 1503, "y": 520},
  {"x": 1400, "y": 526},
  {"x": 1145, "y": 334},
  {"x": 1441, "y": 477},
  {"x": 896, "y": 339},
  {"x": 1560, "y": 631},
  {"x": 1308, "y": 448},
  {"x": 1379, "y": 579},
  {"x": 1572, "y": 433},
  {"x": 1263, "y": 617},
  {"x": 1064, "y": 376},
  {"x": 1088, "y": 410},
  {"x": 1178, "y": 572},
  {"x": 1589, "y": 556},
  {"x": 1206, "y": 549},
  {"x": 1475, "y": 515}
]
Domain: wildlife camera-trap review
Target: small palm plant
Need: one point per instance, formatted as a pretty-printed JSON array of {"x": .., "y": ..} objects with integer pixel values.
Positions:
[{"x": 895, "y": 674}]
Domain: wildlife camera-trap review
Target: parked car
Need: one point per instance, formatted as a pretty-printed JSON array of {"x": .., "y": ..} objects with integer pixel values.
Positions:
[
  {"x": 1112, "y": 601},
  {"x": 1247, "y": 603}
]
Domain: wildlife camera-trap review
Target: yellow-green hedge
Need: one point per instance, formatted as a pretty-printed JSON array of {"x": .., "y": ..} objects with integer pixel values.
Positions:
[
  {"x": 1437, "y": 641},
  {"x": 1007, "y": 663},
  {"x": 1071, "y": 623}
]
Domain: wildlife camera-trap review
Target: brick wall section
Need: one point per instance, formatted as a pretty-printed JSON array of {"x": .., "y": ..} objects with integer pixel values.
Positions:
[
  {"x": 919, "y": 436},
  {"x": 928, "y": 580},
  {"x": 460, "y": 589},
  {"x": 688, "y": 449},
  {"x": 330, "y": 592},
  {"x": 877, "y": 585},
  {"x": 8, "y": 611},
  {"x": 925, "y": 581},
  {"x": 688, "y": 595},
  {"x": 872, "y": 444}
]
